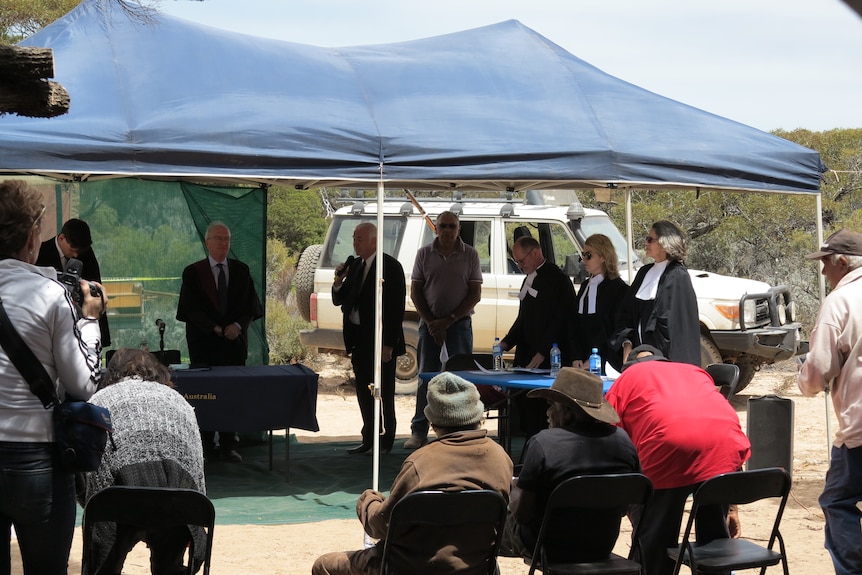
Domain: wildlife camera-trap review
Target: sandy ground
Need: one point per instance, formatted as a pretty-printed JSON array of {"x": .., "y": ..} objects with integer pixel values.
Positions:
[{"x": 290, "y": 549}]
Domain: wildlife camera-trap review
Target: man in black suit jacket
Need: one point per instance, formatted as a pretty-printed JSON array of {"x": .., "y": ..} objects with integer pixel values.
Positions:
[
  {"x": 217, "y": 320},
  {"x": 547, "y": 306},
  {"x": 355, "y": 292},
  {"x": 75, "y": 241}
]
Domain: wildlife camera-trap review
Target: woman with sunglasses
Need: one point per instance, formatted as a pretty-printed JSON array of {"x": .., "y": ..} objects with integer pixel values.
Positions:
[
  {"x": 660, "y": 307},
  {"x": 598, "y": 301}
]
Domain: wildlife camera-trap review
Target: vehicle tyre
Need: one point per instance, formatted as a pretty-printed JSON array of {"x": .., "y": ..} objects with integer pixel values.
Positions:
[
  {"x": 407, "y": 368},
  {"x": 303, "y": 281},
  {"x": 747, "y": 369},
  {"x": 709, "y": 352}
]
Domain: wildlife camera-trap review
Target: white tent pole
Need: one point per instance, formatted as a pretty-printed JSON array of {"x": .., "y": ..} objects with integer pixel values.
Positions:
[
  {"x": 378, "y": 334},
  {"x": 630, "y": 246},
  {"x": 826, "y": 397}
]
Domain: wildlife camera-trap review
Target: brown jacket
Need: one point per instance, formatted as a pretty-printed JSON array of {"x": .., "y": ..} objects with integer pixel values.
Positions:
[{"x": 455, "y": 462}]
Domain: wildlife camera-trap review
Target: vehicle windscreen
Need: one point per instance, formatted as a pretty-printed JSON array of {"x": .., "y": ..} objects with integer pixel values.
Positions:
[
  {"x": 603, "y": 225},
  {"x": 339, "y": 242}
]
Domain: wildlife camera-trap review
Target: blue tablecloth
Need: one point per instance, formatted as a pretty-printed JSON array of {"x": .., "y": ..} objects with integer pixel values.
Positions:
[
  {"x": 509, "y": 379},
  {"x": 252, "y": 397}
]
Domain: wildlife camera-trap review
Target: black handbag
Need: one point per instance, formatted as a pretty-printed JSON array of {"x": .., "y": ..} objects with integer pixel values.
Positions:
[{"x": 81, "y": 429}]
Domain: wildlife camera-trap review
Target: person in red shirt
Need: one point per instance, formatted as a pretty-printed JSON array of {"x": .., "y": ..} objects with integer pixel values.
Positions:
[{"x": 685, "y": 432}]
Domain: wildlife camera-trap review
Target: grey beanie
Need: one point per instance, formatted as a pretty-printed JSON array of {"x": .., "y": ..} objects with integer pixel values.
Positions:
[{"x": 453, "y": 402}]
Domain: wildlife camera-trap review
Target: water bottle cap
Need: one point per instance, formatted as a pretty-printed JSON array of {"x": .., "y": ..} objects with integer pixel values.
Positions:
[{"x": 595, "y": 350}]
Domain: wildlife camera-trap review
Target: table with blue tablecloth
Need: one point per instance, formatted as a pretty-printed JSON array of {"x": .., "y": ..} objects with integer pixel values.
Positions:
[
  {"x": 511, "y": 382},
  {"x": 248, "y": 398}
]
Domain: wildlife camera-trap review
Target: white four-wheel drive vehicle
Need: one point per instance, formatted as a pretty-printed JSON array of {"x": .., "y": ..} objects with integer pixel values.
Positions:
[{"x": 767, "y": 333}]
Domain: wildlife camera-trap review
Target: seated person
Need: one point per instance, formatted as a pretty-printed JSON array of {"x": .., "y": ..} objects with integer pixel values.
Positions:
[
  {"x": 462, "y": 457},
  {"x": 581, "y": 440},
  {"x": 157, "y": 445}
]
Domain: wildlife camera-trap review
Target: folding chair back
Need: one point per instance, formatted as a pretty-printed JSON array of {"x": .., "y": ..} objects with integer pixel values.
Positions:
[
  {"x": 149, "y": 508},
  {"x": 471, "y": 521},
  {"x": 612, "y": 493},
  {"x": 725, "y": 376},
  {"x": 724, "y": 555}
]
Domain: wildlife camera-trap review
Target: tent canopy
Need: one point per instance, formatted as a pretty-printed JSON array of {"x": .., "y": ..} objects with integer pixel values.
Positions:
[{"x": 492, "y": 108}]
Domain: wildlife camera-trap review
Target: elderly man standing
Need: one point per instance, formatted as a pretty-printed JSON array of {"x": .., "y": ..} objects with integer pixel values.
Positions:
[
  {"x": 834, "y": 361},
  {"x": 218, "y": 302},
  {"x": 354, "y": 289},
  {"x": 446, "y": 285}
]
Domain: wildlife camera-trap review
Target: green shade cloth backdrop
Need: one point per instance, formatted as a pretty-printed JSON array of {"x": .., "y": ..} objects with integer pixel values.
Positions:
[{"x": 146, "y": 232}]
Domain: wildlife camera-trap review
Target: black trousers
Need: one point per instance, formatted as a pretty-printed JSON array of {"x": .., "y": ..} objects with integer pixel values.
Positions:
[
  {"x": 659, "y": 525},
  {"x": 363, "y": 370}
]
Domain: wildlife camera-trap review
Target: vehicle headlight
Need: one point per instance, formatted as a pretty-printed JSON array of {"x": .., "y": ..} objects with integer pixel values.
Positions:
[
  {"x": 730, "y": 310},
  {"x": 786, "y": 312}
]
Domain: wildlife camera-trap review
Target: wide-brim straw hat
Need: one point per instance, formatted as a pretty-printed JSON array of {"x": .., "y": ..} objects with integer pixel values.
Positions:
[{"x": 581, "y": 388}]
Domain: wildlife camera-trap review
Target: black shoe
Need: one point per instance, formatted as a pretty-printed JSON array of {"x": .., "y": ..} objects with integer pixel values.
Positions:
[{"x": 359, "y": 449}]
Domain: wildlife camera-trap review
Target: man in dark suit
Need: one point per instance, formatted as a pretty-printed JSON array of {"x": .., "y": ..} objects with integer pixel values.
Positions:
[
  {"x": 547, "y": 306},
  {"x": 355, "y": 292},
  {"x": 75, "y": 241},
  {"x": 218, "y": 302}
]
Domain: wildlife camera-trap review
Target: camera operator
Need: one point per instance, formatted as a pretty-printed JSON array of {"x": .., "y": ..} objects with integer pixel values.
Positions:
[
  {"x": 40, "y": 502},
  {"x": 74, "y": 241}
]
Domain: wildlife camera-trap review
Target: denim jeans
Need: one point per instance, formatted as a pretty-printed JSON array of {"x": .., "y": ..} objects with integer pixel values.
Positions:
[
  {"x": 841, "y": 493},
  {"x": 459, "y": 339},
  {"x": 40, "y": 502}
]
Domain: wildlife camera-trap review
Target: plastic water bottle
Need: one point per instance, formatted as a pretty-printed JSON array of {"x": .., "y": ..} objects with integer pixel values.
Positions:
[
  {"x": 556, "y": 362},
  {"x": 596, "y": 362},
  {"x": 498, "y": 354}
]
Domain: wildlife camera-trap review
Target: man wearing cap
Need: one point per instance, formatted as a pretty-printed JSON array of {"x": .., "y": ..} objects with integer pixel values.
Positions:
[
  {"x": 581, "y": 440},
  {"x": 685, "y": 432},
  {"x": 462, "y": 457},
  {"x": 834, "y": 361}
]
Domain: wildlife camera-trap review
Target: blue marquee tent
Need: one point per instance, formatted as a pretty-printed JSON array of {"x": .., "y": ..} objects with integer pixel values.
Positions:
[{"x": 496, "y": 107}]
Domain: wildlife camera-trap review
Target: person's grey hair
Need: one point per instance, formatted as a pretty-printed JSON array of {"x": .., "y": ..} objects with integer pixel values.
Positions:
[
  {"x": 604, "y": 247},
  {"x": 20, "y": 208},
  {"x": 853, "y": 262},
  {"x": 372, "y": 229},
  {"x": 671, "y": 238},
  {"x": 215, "y": 224}
]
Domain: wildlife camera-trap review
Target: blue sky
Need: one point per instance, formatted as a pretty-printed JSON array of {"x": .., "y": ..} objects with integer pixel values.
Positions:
[{"x": 771, "y": 64}]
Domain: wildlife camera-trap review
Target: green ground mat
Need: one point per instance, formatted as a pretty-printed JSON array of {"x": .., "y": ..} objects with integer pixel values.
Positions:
[{"x": 325, "y": 482}]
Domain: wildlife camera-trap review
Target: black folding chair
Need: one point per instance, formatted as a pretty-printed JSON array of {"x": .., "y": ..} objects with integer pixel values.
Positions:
[
  {"x": 471, "y": 521},
  {"x": 725, "y": 376},
  {"x": 149, "y": 508},
  {"x": 610, "y": 492},
  {"x": 724, "y": 555}
]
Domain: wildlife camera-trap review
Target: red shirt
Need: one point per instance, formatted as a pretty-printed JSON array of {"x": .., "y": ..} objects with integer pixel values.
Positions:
[{"x": 684, "y": 430}]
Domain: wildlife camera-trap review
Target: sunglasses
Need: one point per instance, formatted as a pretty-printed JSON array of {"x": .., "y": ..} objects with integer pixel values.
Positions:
[
  {"x": 588, "y": 256},
  {"x": 447, "y": 226},
  {"x": 650, "y": 239}
]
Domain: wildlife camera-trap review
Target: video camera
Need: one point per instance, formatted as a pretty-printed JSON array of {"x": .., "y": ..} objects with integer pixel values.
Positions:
[{"x": 71, "y": 278}]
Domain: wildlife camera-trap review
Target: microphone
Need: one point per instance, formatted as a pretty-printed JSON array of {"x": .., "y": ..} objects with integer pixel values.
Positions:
[
  {"x": 161, "y": 324},
  {"x": 347, "y": 263}
]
